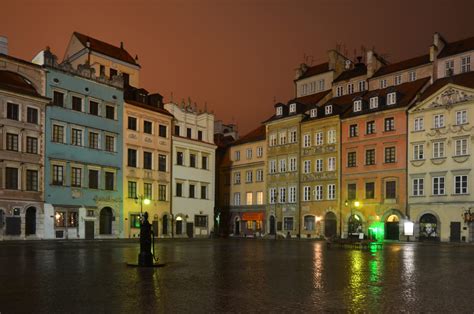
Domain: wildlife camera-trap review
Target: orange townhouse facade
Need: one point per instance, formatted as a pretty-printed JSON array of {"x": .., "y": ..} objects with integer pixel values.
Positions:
[{"x": 373, "y": 160}]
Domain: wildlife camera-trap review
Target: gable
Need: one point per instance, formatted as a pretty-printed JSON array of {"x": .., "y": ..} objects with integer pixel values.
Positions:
[{"x": 445, "y": 97}]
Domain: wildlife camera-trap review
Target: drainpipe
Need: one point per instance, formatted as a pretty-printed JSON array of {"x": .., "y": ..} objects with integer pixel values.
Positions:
[
  {"x": 299, "y": 178},
  {"x": 171, "y": 179}
]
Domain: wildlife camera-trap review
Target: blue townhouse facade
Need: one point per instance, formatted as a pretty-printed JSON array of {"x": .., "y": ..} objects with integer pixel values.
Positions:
[{"x": 83, "y": 152}]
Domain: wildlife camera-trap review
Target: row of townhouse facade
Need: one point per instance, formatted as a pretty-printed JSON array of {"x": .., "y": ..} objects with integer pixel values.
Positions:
[
  {"x": 85, "y": 151},
  {"x": 365, "y": 147}
]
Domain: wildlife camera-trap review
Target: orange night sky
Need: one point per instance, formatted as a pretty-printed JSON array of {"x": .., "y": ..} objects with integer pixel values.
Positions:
[{"x": 235, "y": 55}]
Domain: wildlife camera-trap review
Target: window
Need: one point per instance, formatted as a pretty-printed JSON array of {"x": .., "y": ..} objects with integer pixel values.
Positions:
[
  {"x": 438, "y": 149},
  {"x": 319, "y": 138},
  {"x": 292, "y": 163},
  {"x": 58, "y": 133},
  {"x": 418, "y": 187},
  {"x": 383, "y": 83},
  {"x": 419, "y": 124},
  {"x": 328, "y": 109},
  {"x": 179, "y": 189},
  {"x": 135, "y": 221},
  {"x": 58, "y": 175},
  {"x": 282, "y": 137},
  {"x": 460, "y": 147},
  {"x": 369, "y": 190},
  {"x": 292, "y": 108},
  {"x": 237, "y": 155},
  {"x": 93, "y": 140},
  {"x": 370, "y": 157},
  {"x": 331, "y": 191},
  {"x": 306, "y": 140},
  {"x": 249, "y": 176},
  {"x": 411, "y": 76},
  {"x": 350, "y": 88},
  {"x": 249, "y": 198},
  {"x": 11, "y": 178},
  {"x": 176, "y": 130},
  {"x": 319, "y": 165},
  {"x": 391, "y": 98},
  {"x": 418, "y": 152},
  {"x": 321, "y": 85},
  {"x": 189, "y": 133},
  {"x": 398, "y": 79},
  {"x": 192, "y": 191},
  {"x": 58, "y": 99},
  {"x": 110, "y": 112},
  {"x": 200, "y": 221},
  {"x": 389, "y": 124},
  {"x": 109, "y": 143},
  {"x": 76, "y": 135},
  {"x": 259, "y": 175},
  {"x": 162, "y": 131},
  {"x": 249, "y": 153},
  {"x": 331, "y": 163},
  {"x": 353, "y": 130},
  {"x": 126, "y": 79},
  {"x": 332, "y": 136},
  {"x": 162, "y": 163},
  {"x": 93, "y": 179},
  {"x": 357, "y": 105},
  {"x": 76, "y": 177},
  {"x": 465, "y": 64},
  {"x": 237, "y": 199},
  {"x": 273, "y": 140},
  {"x": 132, "y": 158},
  {"x": 460, "y": 184},
  {"x": 306, "y": 193},
  {"x": 237, "y": 178},
  {"x": 461, "y": 117},
  {"x": 203, "y": 192},
  {"x": 313, "y": 113},
  {"x": 307, "y": 166},
  {"x": 12, "y": 142},
  {"x": 370, "y": 127},
  {"x": 162, "y": 192},
  {"x": 76, "y": 103},
  {"x": 31, "y": 145},
  {"x": 339, "y": 91},
  {"x": 390, "y": 190},
  {"x": 449, "y": 68},
  {"x": 180, "y": 158},
  {"x": 282, "y": 165},
  {"x": 113, "y": 73},
  {"x": 132, "y": 189},
  {"x": 31, "y": 180},
  {"x": 259, "y": 198},
  {"x": 318, "y": 192},
  {"x": 374, "y": 102},
  {"x": 148, "y": 127},
  {"x": 32, "y": 115},
  {"x": 292, "y": 136},
  {"x": 291, "y": 194},
  {"x": 148, "y": 191},
  {"x": 282, "y": 195},
  {"x": 109, "y": 181},
  {"x": 147, "y": 160},
  {"x": 272, "y": 166},
  {"x": 200, "y": 135},
  {"x": 192, "y": 160},
  {"x": 259, "y": 151},
  {"x": 438, "y": 185},
  {"x": 288, "y": 223},
  {"x": 351, "y": 191},
  {"x": 272, "y": 195},
  {"x": 389, "y": 154},
  {"x": 351, "y": 159},
  {"x": 132, "y": 123},
  {"x": 361, "y": 86},
  {"x": 94, "y": 108}
]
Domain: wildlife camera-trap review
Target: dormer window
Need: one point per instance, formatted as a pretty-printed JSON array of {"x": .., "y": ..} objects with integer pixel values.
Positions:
[
  {"x": 292, "y": 108},
  {"x": 314, "y": 113},
  {"x": 391, "y": 98},
  {"x": 374, "y": 102},
  {"x": 383, "y": 83},
  {"x": 279, "y": 111},
  {"x": 328, "y": 109},
  {"x": 357, "y": 105}
]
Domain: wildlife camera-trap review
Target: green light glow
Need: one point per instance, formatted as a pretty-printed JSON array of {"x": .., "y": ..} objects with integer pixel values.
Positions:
[{"x": 377, "y": 231}]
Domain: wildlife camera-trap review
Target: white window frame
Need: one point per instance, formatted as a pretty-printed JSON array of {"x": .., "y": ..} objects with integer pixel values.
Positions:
[
  {"x": 332, "y": 137},
  {"x": 339, "y": 91},
  {"x": 438, "y": 121},
  {"x": 306, "y": 140},
  {"x": 397, "y": 80},
  {"x": 350, "y": 88},
  {"x": 328, "y": 109},
  {"x": 307, "y": 166},
  {"x": 293, "y": 164},
  {"x": 440, "y": 189},
  {"x": 465, "y": 64},
  {"x": 306, "y": 193},
  {"x": 272, "y": 195},
  {"x": 463, "y": 187},
  {"x": 282, "y": 195},
  {"x": 292, "y": 108},
  {"x": 282, "y": 166},
  {"x": 272, "y": 166},
  {"x": 331, "y": 163},
  {"x": 448, "y": 65},
  {"x": 419, "y": 124},
  {"x": 383, "y": 83},
  {"x": 292, "y": 194},
  {"x": 391, "y": 98},
  {"x": 438, "y": 149},
  {"x": 412, "y": 76},
  {"x": 319, "y": 138},
  {"x": 418, "y": 187},
  {"x": 357, "y": 105},
  {"x": 331, "y": 191},
  {"x": 259, "y": 151},
  {"x": 313, "y": 113},
  {"x": 259, "y": 175},
  {"x": 249, "y": 153},
  {"x": 461, "y": 147},
  {"x": 319, "y": 165},
  {"x": 318, "y": 193},
  {"x": 419, "y": 152},
  {"x": 279, "y": 111},
  {"x": 237, "y": 198},
  {"x": 461, "y": 117}
]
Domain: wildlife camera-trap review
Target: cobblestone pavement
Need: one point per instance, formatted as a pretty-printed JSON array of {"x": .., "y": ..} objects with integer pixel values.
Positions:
[{"x": 234, "y": 275}]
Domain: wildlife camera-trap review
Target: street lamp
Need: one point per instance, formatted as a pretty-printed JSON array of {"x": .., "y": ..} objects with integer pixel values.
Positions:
[{"x": 355, "y": 204}]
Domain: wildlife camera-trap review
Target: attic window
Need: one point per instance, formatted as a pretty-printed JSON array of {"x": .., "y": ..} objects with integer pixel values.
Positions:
[
  {"x": 292, "y": 108},
  {"x": 328, "y": 109},
  {"x": 374, "y": 102},
  {"x": 279, "y": 111},
  {"x": 314, "y": 113},
  {"x": 391, "y": 98},
  {"x": 357, "y": 105}
]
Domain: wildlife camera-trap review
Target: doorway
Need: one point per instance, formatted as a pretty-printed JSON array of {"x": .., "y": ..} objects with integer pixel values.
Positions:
[
  {"x": 272, "y": 225},
  {"x": 89, "y": 230},
  {"x": 164, "y": 230},
  {"x": 392, "y": 228},
  {"x": 105, "y": 226},
  {"x": 30, "y": 221},
  {"x": 330, "y": 225},
  {"x": 455, "y": 234},
  {"x": 179, "y": 226},
  {"x": 190, "y": 229},
  {"x": 237, "y": 226}
]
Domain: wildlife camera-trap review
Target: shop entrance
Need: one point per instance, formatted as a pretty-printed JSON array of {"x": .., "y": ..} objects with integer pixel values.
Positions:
[
  {"x": 392, "y": 228},
  {"x": 30, "y": 221}
]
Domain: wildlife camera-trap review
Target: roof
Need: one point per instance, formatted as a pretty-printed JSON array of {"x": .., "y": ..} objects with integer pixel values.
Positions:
[
  {"x": 464, "y": 79},
  {"x": 223, "y": 141},
  {"x": 456, "y": 47},
  {"x": 19, "y": 60},
  {"x": 14, "y": 82},
  {"x": 259, "y": 134},
  {"x": 406, "y": 93},
  {"x": 358, "y": 70},
  {"x": 148, "y": 107},
  {"x": 403, "y": 65},
  {"x": 315, "y": 70},
  {"x": 311, "y": 99},
  {"x": 105, "y": 48}
]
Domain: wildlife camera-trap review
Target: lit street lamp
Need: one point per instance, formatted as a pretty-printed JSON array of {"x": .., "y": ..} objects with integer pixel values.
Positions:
[{"x": 351, "y": 205}]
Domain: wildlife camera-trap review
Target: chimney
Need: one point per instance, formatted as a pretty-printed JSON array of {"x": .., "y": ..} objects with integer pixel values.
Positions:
[
  {"x": 371, "y": 67},
  {"x": 121, "y": 45},
  {"x": 4, "y": 45}
]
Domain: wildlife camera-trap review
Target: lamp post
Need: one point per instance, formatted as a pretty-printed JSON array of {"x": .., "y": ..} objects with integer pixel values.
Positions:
[
  {"x": 145, "y": 257},
  {"x": 354, "y": 203}
]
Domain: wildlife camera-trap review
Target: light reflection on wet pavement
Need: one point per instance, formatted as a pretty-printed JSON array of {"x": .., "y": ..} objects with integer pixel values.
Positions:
[{"x": 234, "y": 275}]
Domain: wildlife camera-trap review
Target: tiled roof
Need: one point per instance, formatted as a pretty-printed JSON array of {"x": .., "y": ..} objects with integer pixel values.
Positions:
[
  {"x": 315, "y": 70},
  {"x": 456, "y": 47},
  {"x": 148, "y": 107},
  {"x": 403, "y": 65},
  {"x": 405, "y": 94},
  {"x": 311, "y": 99},
  {"x": 358, "y": 70},
  {"x": 259, "y": 134},
  {"x": 14, "y": 82},
  {"x": 464, "y": 79},
  {"x": 105, "y": 48}
]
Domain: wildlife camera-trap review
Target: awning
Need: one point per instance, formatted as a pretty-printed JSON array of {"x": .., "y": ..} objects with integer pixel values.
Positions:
[{"x": 252, "y": 216}]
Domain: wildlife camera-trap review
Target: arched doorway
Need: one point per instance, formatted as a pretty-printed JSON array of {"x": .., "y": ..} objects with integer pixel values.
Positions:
[
  {"x": 164, "y": 230},
  {"x": 272, "y": 225},
  {"x": 355, "y": 224},
  {"x": 179, "y": 225},
  {"x": 330, "y": 225},
  {"x": 105, "y": 226},
  {"x": 30, "y": 221},
  {"x": 237, "y": 226},
  {"x": 392, "y": 228},
  {"x": 428, "y": 227}
]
